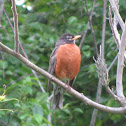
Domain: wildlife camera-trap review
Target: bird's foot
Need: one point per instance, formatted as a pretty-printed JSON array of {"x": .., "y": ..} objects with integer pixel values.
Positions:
[{"x": 69, "y": 88}]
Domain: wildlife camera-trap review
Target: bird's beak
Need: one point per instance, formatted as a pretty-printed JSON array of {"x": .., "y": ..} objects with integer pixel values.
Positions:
[{"x": 76, "y": 37}]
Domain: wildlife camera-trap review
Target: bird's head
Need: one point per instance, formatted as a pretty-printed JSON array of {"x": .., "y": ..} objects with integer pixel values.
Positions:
[{"x": 68, "y": 38}]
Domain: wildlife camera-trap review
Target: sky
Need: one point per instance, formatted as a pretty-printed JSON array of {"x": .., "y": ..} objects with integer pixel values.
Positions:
[{"x": 22, "y": 3}]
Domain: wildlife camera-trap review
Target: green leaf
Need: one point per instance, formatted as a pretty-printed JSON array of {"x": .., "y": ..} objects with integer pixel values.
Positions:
[
  {"x": 78, "y": 110},
  {"x": 35, "y": 25},
  {"x": 2, "y": 113},
  {"x": 87, "y": 53},
  {"x": 92, "y": 68},
  {"x": 67, "y": 111},
  {"x": 27, "y": 79},
  {"x": 99, "y": 123},
  {"x": 86, "y": 47},
  {"x": 9, "y": 72},
  {"x": 45, "y": 109},
  {"x": 24, "y": 116},
  {"x": 27, "y": 89},
  {"x": 45, "y": 120},
  {"x": 38, "y": 118},
  {"x": 17, "y": 105},
  {"x": 3, "y": 64},
  {"x": 116, "y": 118},
  {"x": 44, "y": 124},
  {"x": 42, "y": 97},
  {"x": 37, "y": 109},
  {"x": 72, "y": 20}
]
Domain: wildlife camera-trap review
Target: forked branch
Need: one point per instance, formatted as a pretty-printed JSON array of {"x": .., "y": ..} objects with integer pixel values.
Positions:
[{"x": 116, "y": 12}]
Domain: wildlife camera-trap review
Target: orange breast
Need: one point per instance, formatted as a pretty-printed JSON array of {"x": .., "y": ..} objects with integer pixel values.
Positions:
[{"x": 68, "y": 61}]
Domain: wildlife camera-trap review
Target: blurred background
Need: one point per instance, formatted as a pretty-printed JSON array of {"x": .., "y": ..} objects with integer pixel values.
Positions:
[{"x": 41, "y": 23}]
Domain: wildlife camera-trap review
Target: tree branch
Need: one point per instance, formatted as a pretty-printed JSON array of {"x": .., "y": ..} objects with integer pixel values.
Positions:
[
  {"x": 103, "y": 29},
  {"x": 114, "y": 30},
  {"x": 1, "y": 10},
  {"x": 8, "y": 20},
  {"x": 119, "y": 85},
  {"x": 84, "y": 35},
  {"x": 15, "y": 16},
  {"x": 103, "y": 75},
  {"x": 113, "y": 25},
  {"x": 87, "y": 27},
  {"x": 71, "y": 91},
  {"x": 116, "y": 12},
  {"x": 48, "y": 105},
  {"x": 99, "y": 88},
  {"x": 92, "y": 30},
  {"x": 108, "y": 69},
  {"x": 115, "y": 22}
]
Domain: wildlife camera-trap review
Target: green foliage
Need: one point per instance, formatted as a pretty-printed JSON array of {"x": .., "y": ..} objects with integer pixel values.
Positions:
[{"x": 39, "y": 29}]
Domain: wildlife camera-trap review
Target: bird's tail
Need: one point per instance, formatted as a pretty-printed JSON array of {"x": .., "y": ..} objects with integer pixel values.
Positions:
[{"x": 57, "y": 102}]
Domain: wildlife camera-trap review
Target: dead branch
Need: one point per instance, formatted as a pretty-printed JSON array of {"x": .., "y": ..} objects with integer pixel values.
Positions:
[
  {"x": 119, "y": 85},
  {"x": 116, "y": 12}
]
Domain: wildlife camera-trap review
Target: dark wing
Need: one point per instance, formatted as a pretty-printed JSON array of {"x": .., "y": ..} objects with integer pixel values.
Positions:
[
  {"x": 72, "y": 81},
  {"x": 52, "y": 63}
]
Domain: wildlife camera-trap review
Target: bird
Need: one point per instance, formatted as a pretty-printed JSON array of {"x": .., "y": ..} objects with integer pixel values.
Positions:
[{"x": 64, "y": 64}]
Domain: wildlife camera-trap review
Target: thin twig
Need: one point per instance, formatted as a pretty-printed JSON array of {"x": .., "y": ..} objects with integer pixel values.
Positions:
[
  {"x": 99, "y": 88},
  {"x": 16, "y": 35},
  {"x": 92, "y": 30},
  {"x": 43, "y": 90},
  {"x": 103, "y": 29},
  {"x": 20, "y": 78},
  {"x": 94, "y": 114},
  {"x": 8, "y": 20},
  {"x": 87, "y": 27},
  {"x": 108, "y": 69},
  {"x": 112, "y": 93},
  {"x": 48, "y": 105},
  {"x": 84, "y": 35}
]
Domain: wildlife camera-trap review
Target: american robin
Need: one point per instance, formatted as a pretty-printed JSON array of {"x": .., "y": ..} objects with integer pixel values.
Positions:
[{"x": 64, "y": 64}]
